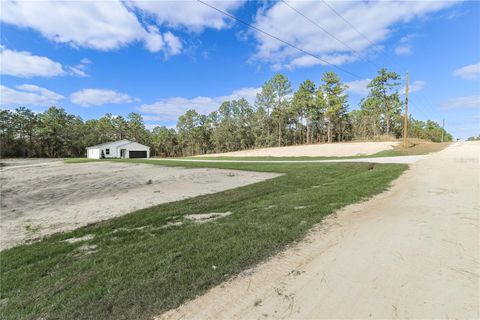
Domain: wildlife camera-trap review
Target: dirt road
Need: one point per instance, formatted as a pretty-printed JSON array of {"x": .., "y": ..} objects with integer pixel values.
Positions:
[
  {"x": 411, "y": 252},
  {"x": 41, "y": 197}
]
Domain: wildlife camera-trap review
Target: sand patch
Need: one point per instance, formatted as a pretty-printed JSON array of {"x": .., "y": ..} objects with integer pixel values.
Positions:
[
  {"x": 345, "y": 149},
  {"x": 87, "y": 249},
  {"x": 172, "y": 224},
  {"x": 41, "y": 198},
  {"x": 206, "y": 217},
  {"x": 79, "y": 239}
]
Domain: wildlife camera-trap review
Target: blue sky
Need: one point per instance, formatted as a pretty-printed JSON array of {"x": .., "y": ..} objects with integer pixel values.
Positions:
[{"x": 161, "y": 58}]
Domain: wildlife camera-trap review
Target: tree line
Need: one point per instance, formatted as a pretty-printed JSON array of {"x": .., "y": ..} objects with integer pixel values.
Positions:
[{"x": 279, "y": 117}]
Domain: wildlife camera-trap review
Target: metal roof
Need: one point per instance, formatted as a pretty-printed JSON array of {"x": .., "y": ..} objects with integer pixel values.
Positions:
[{"x": 112, "y": 143}]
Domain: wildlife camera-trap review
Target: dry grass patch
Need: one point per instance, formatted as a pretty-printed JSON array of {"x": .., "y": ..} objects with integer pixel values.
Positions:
[{"x": 415, "y": 147}]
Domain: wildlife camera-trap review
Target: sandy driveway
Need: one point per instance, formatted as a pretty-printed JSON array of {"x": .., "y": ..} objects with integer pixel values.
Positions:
[
  {"x": 43, "y": 197},
  {"x": 411, "y": 252},
  {"x": 344, "y": 149}
]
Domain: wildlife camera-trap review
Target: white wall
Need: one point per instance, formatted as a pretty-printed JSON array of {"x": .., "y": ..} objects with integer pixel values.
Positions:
[
  {"x": 96, "y": 153},
  {"x": 114, "y": 152},
  {"x": 93, "y": 153}
]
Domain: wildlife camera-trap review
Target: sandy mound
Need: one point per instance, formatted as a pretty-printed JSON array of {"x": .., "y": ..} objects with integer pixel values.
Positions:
[{"x": 314, "y": 150}]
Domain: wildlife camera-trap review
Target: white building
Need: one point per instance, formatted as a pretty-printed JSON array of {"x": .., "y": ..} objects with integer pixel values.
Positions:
[{"x": 118, "y": 149}]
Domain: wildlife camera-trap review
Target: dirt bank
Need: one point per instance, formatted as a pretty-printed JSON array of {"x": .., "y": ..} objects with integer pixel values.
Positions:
[
  {"x": 411, "y": 252},
  {"x": 314, "y": 150},
  {"x": 40, "y": 198}
]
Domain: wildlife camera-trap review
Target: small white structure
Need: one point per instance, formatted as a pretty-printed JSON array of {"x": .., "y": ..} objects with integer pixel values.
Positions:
[{"x": 118, "y": 149}]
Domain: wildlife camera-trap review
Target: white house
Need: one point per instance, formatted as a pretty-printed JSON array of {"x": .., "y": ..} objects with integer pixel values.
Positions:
[{"x": 118, "y": 149}]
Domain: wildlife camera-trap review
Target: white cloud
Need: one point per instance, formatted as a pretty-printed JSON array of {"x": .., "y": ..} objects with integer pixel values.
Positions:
[
  {"x": 80, "y": 69},
  {"x": 358, "y": 86},
  {"x": 249, "y": 94},
  {"x": 151, "y": 126},
  {"x": 168, "y": 42},
  {"x": 77, "y": 71},
  {"x": 405, "y": 46},
  {"x": 173, "y": 43},
  {"x": 98, "y": 97},
  {"x": 472, "y": 101},
  {"x": 170, "y": 109},
  {"x": 192, "y": 15},
  {"x": 403, "y": 50},
  {"x": 101, "y": 25},
  {"x": 28, "y": 95},
  {"x": 375, "y": 19},
  {"x": 415, "y": 86},
  {"x": 152, "y": 118},
  {"x": 469, "y": 72},
  {"x": 24, "y": 64},
  {"x": 109, "y": 25},
  {"x": 153, "y": 40}
]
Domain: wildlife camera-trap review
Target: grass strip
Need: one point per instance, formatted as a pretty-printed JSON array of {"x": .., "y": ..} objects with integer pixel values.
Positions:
[{"x": 146, "y": 262}]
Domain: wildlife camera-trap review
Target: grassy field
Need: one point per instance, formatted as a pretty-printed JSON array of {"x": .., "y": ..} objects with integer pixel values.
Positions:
[{"x": 152, "y": 260}]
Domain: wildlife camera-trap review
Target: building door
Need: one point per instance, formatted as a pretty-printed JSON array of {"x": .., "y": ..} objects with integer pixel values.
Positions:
[{"x": 137, "y": 154}]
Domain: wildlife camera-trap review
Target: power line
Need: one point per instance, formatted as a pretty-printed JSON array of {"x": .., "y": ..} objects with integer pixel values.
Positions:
[
  {"x": 345, "y": 44},
  {"x": 324, "y": 30},
  {"x": 427, "y": 102},
  {"x": 348, "y": 22},
  {"x": 297, "y": 48},
  {"x": 278, "y": 39},
  {"x": 371, "y": 43},
  {"x": 413, "y": 104}
]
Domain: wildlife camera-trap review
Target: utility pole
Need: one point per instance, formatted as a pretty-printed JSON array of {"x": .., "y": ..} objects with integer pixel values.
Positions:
[
  {"x": 443, "y": 127},
  {"x": 405, "y": 120}
]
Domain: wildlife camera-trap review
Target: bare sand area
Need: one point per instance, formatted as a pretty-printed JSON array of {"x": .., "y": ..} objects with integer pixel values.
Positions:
[
  {"x": 344, "y": 149},
  {"x": 411, "y": 252},
  {"x": 43, "y": 197},
  {"x": 23, "y": 162}
]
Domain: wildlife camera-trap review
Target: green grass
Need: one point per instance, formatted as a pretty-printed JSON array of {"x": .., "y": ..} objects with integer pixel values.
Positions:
[
  {"x": 136, "y": 266},
  {"x": 80, "y": 160},
  {"x": 267, "y": 158}
]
